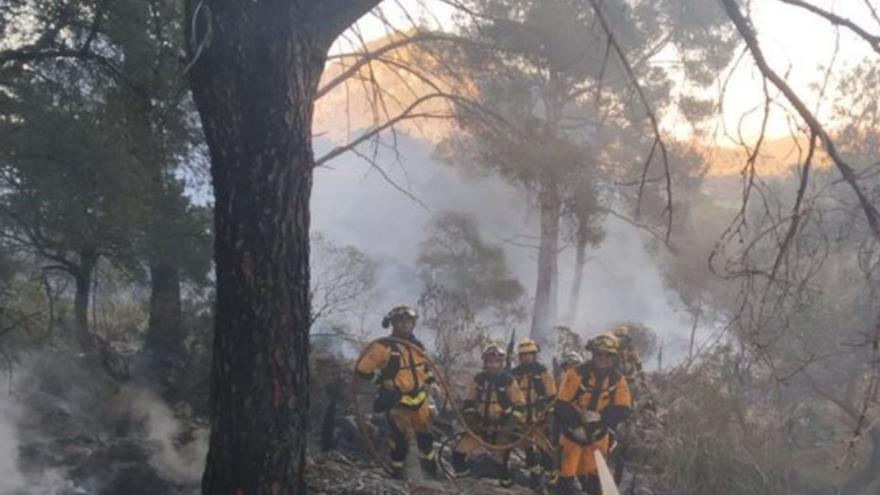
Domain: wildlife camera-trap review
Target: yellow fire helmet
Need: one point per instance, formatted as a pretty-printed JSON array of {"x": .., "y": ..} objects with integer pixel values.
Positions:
[
  {"x": 572, "y": 358},
  {"x": 399, "y": 312},
  {"x": 526, "y": 346},
  {"x": 493, "y": 350},
  {"x": 606, "y": 343},
  {"x": 622, "y": 332}
]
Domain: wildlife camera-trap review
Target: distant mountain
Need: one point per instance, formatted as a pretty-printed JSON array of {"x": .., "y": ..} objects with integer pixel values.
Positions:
[{"x": 776, "y": 157}]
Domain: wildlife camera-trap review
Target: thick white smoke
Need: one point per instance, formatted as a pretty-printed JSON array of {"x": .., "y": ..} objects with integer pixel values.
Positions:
[
  {"x": 11, "y": 478},
  {"x": 354, "y": 204}
]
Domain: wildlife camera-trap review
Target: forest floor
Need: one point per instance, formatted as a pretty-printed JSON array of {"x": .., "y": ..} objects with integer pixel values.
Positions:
[{"x": 333, "y": 473}]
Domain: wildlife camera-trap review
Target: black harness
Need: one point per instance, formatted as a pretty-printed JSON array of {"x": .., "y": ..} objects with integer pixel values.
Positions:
[
  {"x": 486, "y": 384},
  {"x": 535, "y": 374},
  {"x": 595, "y": 390},
  {"x": 394, "y": 362}
]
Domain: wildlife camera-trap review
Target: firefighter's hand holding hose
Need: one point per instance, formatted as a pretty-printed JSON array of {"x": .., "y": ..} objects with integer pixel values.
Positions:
[{"x": 591, "y": 418}]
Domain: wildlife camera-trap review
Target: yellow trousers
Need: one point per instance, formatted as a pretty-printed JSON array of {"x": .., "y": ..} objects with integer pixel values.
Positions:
[
  {"x": 577, "y": 459},
  {"x": 403, "y": 422}
]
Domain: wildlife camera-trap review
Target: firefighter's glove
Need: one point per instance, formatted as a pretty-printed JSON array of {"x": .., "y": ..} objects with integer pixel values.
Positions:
[
  {"x": 373, "y": 377},
  {"x": 580, "y": 434},
  {"x": 591, "y": 417},
  {"x": 613, "y": 445}
]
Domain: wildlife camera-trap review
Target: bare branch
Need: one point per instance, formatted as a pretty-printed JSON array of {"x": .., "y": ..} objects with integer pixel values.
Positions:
[
  {"x": 835, "y": 19},
  {"x": 748, "y": 33},
  {"x": 365, "y": 58},
  {"x": 335, "y": 16},
  {"x": 407, "y": 113},
  {"x": 796, "y": 209},
  {"x": 648, "y": 109},
  {"x": 873, "y": 11}
]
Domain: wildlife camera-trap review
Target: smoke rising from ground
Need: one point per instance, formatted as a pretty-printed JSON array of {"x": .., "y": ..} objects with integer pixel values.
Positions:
[
  {"x": 11, "y": 478},
  {"x": 354, "y": 205},
  {"x": 66, "y": 430}
]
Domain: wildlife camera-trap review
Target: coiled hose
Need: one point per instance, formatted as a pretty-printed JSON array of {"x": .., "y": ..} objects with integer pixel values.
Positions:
[{"x": 521, "y": 438}]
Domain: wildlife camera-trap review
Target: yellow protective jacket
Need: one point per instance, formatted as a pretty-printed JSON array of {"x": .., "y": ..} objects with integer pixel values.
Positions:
[
  {"x": 586, "y": 388},
  {"x": 399, "y": 368},
  {"x": 493, "y": 397},
  {"x": 538, "y": 388}
]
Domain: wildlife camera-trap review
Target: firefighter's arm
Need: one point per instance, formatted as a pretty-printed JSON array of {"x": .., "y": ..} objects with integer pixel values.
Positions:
[
  {"x": 470, "y": 399},
  {"x": 518, "y": 399},
  {"x": 566, "y": 412},
  {"x": 549, "y": 386},
  {"x": 370, "y": 365},
  {"x": 620, "y": 407},
  {"x": 469, "y": 408},
  {"x": 427, "y": 374}
]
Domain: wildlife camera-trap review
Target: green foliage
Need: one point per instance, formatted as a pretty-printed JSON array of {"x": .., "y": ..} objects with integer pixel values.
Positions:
[
  {"x": 69, "y": 183},
  {"x": 97, "y": 146},
  {"x": 468, "y": 290},
  {"x": 455, "y": 257}
]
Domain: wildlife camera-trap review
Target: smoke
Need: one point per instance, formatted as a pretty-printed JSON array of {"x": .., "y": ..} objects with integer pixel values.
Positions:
[
  {"x": 178, "y": 459},
  {"x": 11, "y": 479},
  {"x": 355, "y": 205},
  {"x": 64, "y": 430}
]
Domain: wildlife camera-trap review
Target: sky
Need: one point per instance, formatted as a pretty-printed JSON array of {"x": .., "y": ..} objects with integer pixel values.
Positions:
[{"x": 795, "y": 42}]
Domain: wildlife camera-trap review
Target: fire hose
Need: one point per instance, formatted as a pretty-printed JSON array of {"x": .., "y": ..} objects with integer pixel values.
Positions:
[{"x": 520, "y": 438}]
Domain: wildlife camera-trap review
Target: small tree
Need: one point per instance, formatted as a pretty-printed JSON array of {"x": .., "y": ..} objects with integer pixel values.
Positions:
[
  {"x": 468, "y": 290},
  {"x": 69, "y": 188}
]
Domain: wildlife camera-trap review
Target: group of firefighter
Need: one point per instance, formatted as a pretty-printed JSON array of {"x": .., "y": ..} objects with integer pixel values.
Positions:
[{"x": 566, "y": 418}]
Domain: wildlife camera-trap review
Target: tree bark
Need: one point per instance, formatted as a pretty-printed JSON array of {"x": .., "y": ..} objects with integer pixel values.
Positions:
[
  {"x": 254, "y": 82},
  {"x": 580, "y": 261},
  {"x": 83, "y": 279},
  {"x": 544, "y": 314},
  {"x": 164, "y": 340},
  {"x": 869, "y": 474}
]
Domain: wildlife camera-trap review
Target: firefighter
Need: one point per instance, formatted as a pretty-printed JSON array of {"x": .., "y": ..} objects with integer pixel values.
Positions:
[
  {"x": 539, "y": 390},
  {"x": 630, "y": 365},
  {"x": 493, "y": 406},
  {"x": 592, "y": 400},
  {"x": 397, "y": 365},
  {"x": 570, "y": 360},
  {"x": 629, "y": 362}
]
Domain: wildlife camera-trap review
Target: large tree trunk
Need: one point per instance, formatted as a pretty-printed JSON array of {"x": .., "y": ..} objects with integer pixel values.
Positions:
[
  {"x": 544, "y": 314},
  {"x": 869, "y": 474},
  {"x": 164, "y": 340},
  {"x": 580, "y": 261},
  {"x": 254, "y": 84},
  {"x": 83, "y": 279}
]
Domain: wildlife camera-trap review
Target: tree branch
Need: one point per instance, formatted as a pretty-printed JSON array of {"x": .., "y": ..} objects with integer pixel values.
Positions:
[
  {"x": 648, "y": 109},
  {"x": 835, "y": 19},
  {"x": 367, "y": 57},
  {"x": 335, "y": 16},
  {"x": 746, "y": 30}
]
